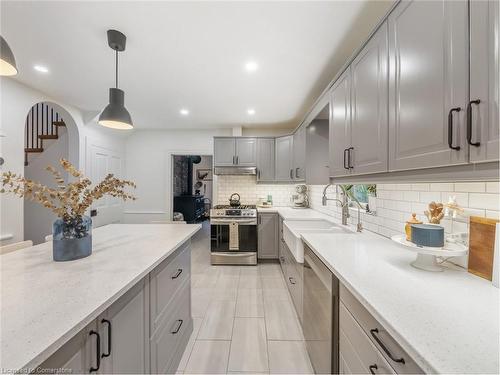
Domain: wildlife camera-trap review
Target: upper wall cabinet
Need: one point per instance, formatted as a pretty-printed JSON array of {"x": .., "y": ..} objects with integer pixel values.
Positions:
[
  {"x": 284, "y": 151},
  {"x": 340, "y": 125},
  {"x": 299, "y": 154},
  {"x": 482, "y": 110},
  {"x": 224, "y": 152},
  {"x": 369, "y": 96},
  {"x": 235, "y": 151},
  {"x": 265, "y": 159},
  {"x": 428, "y": 69}
]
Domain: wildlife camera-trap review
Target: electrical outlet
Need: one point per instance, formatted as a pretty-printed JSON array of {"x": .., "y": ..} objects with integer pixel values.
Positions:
[{"x": 93, "y": 213}]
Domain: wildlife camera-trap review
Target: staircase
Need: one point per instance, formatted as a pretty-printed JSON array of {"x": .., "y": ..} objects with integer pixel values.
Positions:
[{"x": 42, "y": 123}]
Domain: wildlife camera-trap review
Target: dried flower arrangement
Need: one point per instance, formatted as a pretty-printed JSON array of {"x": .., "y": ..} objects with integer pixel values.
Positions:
[{"x": 69, "y": 202}]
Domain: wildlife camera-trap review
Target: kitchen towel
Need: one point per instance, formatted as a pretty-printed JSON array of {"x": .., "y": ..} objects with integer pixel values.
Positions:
[{"x": 234, "y": 241}]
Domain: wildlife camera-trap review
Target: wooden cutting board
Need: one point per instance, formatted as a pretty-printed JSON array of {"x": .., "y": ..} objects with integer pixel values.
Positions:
[{"x": 481, "y": 246}]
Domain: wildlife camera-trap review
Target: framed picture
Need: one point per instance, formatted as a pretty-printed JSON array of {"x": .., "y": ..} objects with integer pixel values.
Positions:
[{"x": 204, "y": 175}]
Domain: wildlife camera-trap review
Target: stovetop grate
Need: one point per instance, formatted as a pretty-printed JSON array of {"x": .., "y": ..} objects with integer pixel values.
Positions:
[{"x": 240, "y": 207}]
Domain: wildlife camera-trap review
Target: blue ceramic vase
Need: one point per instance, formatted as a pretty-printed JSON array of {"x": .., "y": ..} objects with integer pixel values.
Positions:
[{"x": 72, "y": 239}]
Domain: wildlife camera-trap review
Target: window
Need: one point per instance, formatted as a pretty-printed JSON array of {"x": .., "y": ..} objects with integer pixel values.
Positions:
[{"x": 361, "y": 194}]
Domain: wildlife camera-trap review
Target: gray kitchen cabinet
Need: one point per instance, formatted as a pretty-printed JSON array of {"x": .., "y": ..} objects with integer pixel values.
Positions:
[
  {"x": 369, "y": 96},
  {"x": 483, "y": 116},
  {"x": 265, "y": 159},
  {"x": 235, "y": 151},
  {"x": 124, "y": 330},
  {"x": 428, "y": 69},
  {"x": 317, "y": 158},
  {"x": 224, "y": 152},
  {"x": 364, "y": 342},
  {"x": 284, "y": 158},
  {"x": 340, "y": 125},
  {"x": 78, "y": 355},
  {"x": 170, "y": 310},
  {"x": 246, "y": 151},
  {"x": 268, "y": 237},
  {"x": 145, "y": 331},
  {"x": 299, "y": 154}
]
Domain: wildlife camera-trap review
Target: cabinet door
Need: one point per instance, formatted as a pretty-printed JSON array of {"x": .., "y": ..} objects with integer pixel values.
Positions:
[
  {"x": 369, "y": 96},
  {"x": 340, "y": 125},
  {"x": 284, "y": 171},
  {"x": 265, "y": 159},
  {"x": 78, "y": 355},
  {"x": 246, "y": 152},
  {"x": 268, "y": 236},
  {"x": 299, "y": 154},
  {"x": 428, "y": 69},
  {"x": 224, "y": 152},
  {"x": 124, "y": 330},
  {"x": 484, "y": 81}
]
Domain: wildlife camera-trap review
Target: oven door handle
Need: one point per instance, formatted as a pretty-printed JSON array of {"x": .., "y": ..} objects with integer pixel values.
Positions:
[{"x": 228, "y": 222}]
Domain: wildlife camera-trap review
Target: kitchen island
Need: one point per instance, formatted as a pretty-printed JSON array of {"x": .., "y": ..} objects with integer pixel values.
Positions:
[{"x": 45, "y": 304}]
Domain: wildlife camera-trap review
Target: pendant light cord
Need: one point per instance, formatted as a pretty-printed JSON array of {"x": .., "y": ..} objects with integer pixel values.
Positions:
[{"x": 116, "y": 68}]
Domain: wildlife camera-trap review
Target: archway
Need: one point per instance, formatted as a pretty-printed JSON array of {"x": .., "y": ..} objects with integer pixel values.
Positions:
[{"x": 50, "y": 134}]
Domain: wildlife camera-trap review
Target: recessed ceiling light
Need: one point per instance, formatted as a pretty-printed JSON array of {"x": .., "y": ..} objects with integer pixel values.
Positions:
[
  {"x": 41, "y": 68},
  {"x": 251, "y": 111},
  {"x": 184, "y": 112},
  {"x": 251, "y": 66}
]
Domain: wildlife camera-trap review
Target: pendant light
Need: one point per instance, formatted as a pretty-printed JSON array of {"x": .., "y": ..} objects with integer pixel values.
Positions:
[
  {"x": 115, "y": 115},
  {"x": 7, "y": 60}
]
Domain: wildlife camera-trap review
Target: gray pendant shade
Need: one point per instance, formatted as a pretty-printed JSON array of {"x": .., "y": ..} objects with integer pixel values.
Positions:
[
  {"x": 7, "y": 61},
  {"x": 115, "y": 115}
]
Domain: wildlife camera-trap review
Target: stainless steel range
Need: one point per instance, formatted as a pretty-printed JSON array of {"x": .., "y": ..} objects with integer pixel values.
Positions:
[{"x": 233, "y": 235}]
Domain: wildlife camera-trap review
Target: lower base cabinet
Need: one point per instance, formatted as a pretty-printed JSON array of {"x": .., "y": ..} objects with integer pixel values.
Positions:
[
  {"x": 365, "y": 346},
  {"x": 267, "y": 236},
  {"x": 293, "y": 274},
  {"x": 145, "y": 331}
]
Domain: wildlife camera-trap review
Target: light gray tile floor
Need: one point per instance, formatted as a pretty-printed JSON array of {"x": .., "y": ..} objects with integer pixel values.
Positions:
[{"x": 244, "y": 319}]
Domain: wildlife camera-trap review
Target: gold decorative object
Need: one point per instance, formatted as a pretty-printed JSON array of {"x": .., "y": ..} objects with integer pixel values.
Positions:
[
  {"x": 412, "y": 220},
  {"x": 435, "y": 212},
  {"x": 70, "y": 201}
]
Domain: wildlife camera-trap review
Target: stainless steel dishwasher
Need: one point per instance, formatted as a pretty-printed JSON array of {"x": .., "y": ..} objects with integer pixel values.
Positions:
[{"x": 321, "y": 314}]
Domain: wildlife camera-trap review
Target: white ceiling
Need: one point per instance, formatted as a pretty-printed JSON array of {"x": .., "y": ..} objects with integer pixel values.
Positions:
[{"x": 189, "y": 55}]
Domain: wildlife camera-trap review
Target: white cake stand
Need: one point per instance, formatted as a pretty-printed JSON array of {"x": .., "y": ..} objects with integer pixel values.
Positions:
[{"x": 427, "y": 256}]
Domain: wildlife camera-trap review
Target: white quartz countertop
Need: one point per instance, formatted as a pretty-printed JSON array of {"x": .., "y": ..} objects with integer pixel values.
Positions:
[
  {"x": 447, "y": 321},
  {"x": 289, "y": 213},
  {"x": 45, "y": 303}
]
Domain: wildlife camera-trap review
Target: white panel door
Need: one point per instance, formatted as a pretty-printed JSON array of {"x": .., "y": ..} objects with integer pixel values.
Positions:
[
  {"x": 483, "y": 121},
  {"x": 102, "y": 163},
  {"x": 369, "y": 96},
  {"x": 428, "y": 69}
]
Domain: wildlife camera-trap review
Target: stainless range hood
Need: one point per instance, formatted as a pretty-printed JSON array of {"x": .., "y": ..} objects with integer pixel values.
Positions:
[{"x": 235, "y": 171}]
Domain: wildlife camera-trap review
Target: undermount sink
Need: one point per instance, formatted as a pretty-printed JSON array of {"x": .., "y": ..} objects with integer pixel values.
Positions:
[{"x": 293, "y": 229}]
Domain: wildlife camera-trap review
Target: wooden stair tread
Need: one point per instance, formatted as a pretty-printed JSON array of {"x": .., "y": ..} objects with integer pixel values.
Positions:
[
  {"x": 33, "y": 150},
  {"x": 48, "y": 136},
  {"x": 58, "y": 123}
]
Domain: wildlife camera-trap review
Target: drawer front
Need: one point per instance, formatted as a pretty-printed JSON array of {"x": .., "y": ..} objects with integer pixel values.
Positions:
[
  {"x": 166, "y": 280},
  {"x": 170, "y": 333},
  {"x": 358, "y": 354},
  {"x": 294, "y": 281},
  {"x": 387, "y": 344}
]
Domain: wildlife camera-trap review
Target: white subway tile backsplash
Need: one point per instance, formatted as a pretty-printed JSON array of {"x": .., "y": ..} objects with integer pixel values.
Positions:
[
  {"x": 394, "y": 206},
  {"x": 430, "y": 196},
  {"x": 442, "y": 187},
  {"x": 486, "y": 201},
  {"x": 420, "y": 187},
  {"x": 411, "y": 196},
  {"x": 492, "y": 187},
  {"x": 470, "y": 187}
]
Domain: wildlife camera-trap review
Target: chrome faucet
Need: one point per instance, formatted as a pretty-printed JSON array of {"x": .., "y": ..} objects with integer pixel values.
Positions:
[{"x": 344, "y": 203}]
